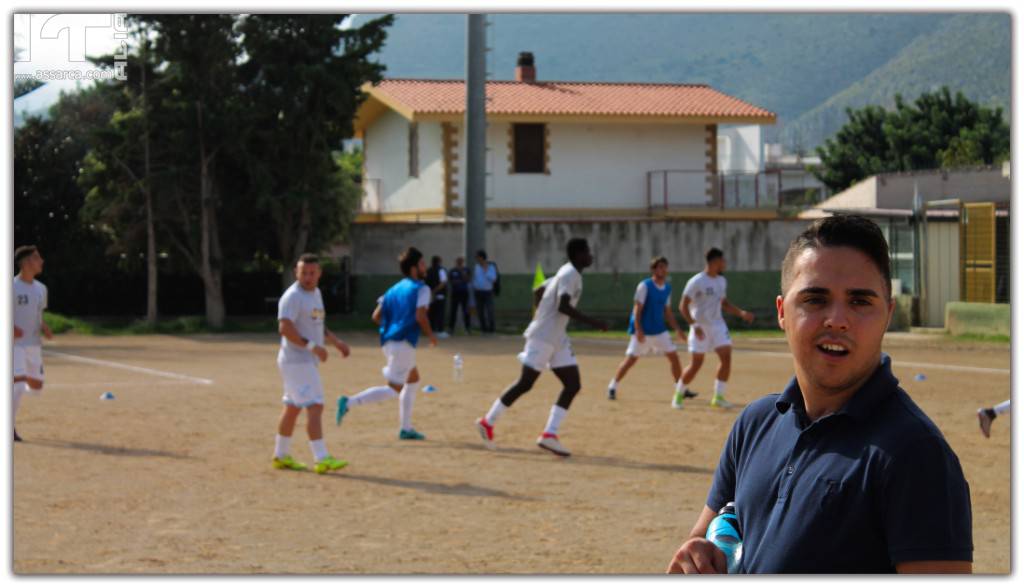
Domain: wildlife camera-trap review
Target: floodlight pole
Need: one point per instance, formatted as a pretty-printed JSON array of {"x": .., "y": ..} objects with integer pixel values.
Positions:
[{"x": 474, "y": 229}]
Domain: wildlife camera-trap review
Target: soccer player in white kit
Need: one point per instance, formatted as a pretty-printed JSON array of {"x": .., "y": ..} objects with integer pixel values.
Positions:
[
  {"x": 402, "y": 314},
  {"x": 702, "y": 305},
  {"x": 547, "y": 345},
  {"x": 300, "y": 317},
  {"x": 29, "y": 296},
  {"x": 649, "y": 325}
]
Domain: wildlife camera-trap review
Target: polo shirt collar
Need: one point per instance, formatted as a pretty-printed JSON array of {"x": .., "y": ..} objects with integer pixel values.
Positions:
[{"x": 878, "y": 387}]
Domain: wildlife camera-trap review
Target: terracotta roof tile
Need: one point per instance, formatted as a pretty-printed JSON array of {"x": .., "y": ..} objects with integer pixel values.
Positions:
[{"x": 571, "y": 98}]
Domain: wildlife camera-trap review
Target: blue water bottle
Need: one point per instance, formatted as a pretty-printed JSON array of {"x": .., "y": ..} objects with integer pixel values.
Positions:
[{"x": 724, "y": 532}]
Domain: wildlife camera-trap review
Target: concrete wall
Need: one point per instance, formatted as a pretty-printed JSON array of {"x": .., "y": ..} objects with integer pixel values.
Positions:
[
  {"x": 622, "y": 249},
  {"x": 978, "y": 318},
  {"x": 387, "y": 160}
]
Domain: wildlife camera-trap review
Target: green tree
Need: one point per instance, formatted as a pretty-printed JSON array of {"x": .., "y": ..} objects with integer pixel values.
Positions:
[
  {"x": 937, "y": 130},
  {"x": 302, "y": 88}
]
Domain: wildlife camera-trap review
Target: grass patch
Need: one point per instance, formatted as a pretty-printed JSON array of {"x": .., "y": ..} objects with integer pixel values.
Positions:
[{"x": 971, "y": 338}]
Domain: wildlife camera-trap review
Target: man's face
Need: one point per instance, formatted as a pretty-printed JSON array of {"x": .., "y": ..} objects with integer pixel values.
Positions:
[
  {"x": 584, "y": 258},
  {"x": 308, "y": 274},
  {"x": 33, "y": 264},
  {"x": 834, "y": 312},
  {"x": 481, "y": 260},
  {"x": 458, "y": 262},
  {"x": 717, "y": 265},
  {"x": 421, "y": 267},
  {"x": 660, "y": 271}
]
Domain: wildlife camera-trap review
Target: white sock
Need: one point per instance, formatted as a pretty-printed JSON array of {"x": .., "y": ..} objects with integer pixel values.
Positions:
[
  {"x": 497, "y": 409},
  {"x": 680, "y": 387},
  {"x": 613, "y": 384},
  {"x": 319, "y": 449},
  {"x": 407, "y": 399},
  {"x": 555, "y": 419},
  {"x": 1002, "y": 407},
  {"x": 282, "y": 445},
  {"x": 371, "y": 395},
  {"x": 719, "y": 388},
  {"x": 19, "y": 391}
]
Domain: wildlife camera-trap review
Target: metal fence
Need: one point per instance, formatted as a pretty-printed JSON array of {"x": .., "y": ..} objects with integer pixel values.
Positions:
[{"x": 668, "y": 189}]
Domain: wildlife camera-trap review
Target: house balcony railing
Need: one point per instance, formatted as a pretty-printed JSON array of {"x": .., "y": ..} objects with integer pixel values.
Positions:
[{"x": 668, "y": 189}]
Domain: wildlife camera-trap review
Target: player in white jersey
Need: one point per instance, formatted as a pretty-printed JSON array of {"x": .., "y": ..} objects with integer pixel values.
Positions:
[
  {"x": 547, "y": 345},
  {"x": 30, "y": 300},
  {"x": 702, "y": 305},
  {"x": 300, "y": 318}
]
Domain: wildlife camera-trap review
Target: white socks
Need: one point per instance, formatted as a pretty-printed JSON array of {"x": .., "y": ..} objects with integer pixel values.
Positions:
[
  {"x": 680, "y": 387},
  {"x": 719, "y": 388},
  {"x": 1001, "y": 408},
  {"x": 319, "y": 449},
  {"x": 371, "y": 395},
  {"x": 613, "y": 384},
  {"x": 555, "y": 420},
  {"x": 282, "y": 445},
  {"x": 497, "y": 409},
  {"x": 407, "y": 398},
  {"x": 19, "y": 390}
]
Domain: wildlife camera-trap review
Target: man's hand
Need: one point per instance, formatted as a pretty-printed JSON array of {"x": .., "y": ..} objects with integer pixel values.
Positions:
[
  {"x": 747, "y": 316},
  {"x": 47, "y": 332},
  {"x": 640, "y": 337},
  {"x": 342, "y": 347},
  {"x": 433, "y": 340},
  {"x": 699, "y": 332},
  {"x": 681, "y": 334},
  {"x": 18, "y": 332},
  {"x": 698, "y": 556},
  {"x": 321, "y": 353}
]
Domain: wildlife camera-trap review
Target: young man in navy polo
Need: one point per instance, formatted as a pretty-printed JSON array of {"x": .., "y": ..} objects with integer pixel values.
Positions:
[
  {"x": 648, "y": 328},
  {"x": 841, "y": 472}
]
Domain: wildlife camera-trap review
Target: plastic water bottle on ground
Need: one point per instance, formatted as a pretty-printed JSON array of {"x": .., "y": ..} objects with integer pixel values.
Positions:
[
  {"x": 724, "y": 532},
  {"x": 457, "y": 368}
]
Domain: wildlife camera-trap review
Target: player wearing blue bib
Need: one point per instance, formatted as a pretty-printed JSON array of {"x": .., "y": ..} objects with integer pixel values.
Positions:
[
  {"x": 649, "y": 333},
  {"x": 402, "y": 314}
]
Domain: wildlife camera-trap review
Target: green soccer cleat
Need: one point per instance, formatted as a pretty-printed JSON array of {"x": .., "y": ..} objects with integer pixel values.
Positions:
[
  {"x": 288, "y": 463},
  {"x": 342, "y": 409},
  {"x": 411, "y": 435},
  {"x": 329, "y": 464},
  {"x": 677, "y": 400},
  {"x": 719, "y": 401}
]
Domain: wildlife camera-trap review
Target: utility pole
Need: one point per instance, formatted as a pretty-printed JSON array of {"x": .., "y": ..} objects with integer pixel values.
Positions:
[{"x": 474, "y": 230}]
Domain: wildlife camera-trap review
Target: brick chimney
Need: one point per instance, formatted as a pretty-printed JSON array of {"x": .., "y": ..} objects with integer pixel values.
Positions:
[{"x": 525, "y": 72}]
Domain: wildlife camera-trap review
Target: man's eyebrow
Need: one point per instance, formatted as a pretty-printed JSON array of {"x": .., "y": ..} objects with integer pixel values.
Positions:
[{"x": 866, "y": 292}]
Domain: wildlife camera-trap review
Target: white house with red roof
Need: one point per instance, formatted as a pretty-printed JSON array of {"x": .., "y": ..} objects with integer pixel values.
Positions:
[{"x": 555, "y": 149}]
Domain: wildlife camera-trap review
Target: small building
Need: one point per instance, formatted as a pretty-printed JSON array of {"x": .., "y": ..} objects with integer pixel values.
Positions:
[{"x": 554, "y": 149}]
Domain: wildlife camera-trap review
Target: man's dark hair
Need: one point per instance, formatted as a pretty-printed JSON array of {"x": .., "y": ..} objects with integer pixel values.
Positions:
[
  {"x": 575, "y": 246},
  {"x": 713, "y": 254},
  {"x": 482, "y": 254},
  {"x": 843, "y": 230},
  {"x": 656, "y": 260},
  {"x": 22, "y": 252},
  {"x": 409, "y": 259},
  {"x": 308, "y": 258}
]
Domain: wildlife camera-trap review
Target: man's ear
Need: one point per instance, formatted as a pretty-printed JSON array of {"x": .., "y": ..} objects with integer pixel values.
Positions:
[{"x": 781, "y": 312}]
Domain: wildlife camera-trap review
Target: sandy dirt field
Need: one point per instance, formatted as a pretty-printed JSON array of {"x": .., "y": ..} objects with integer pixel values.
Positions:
[{"x": 174, "y": 476}]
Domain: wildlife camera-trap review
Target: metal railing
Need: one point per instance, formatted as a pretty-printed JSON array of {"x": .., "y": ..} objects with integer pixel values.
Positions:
[{"x": 668, "y": 189}]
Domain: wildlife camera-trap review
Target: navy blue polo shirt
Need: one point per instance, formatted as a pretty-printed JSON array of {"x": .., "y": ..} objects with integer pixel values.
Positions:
[{"x": 857, "y": 491}]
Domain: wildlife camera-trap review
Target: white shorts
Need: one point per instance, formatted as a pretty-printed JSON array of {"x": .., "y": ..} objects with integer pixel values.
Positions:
[
  {"x": 540, "y": 355},
  {"x": 715, "y": 335},
  {"x": 401, "y": 358},
  {"x": 302, "y": 387},
  {"x": 653, "y": 344},
  {"x": 28, "y": 361}
]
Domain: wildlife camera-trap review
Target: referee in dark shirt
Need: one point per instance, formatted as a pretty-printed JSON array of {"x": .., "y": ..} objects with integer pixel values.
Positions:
[{"x": 842, "y": 472}]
